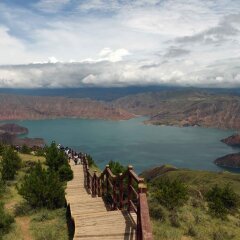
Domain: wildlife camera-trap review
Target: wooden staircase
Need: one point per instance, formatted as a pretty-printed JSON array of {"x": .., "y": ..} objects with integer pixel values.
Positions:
[
  {"x": 126, "y": 215},
  {"x": 92, "y": 218}
]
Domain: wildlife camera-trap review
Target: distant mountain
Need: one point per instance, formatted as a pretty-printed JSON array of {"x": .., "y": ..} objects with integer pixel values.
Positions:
[
  {"x": 185, "y": 108},
  {"x": 17, "y": 107},
  {"x": 180, "y": 107},
  {"x": 95, "y": 93},
  {"x": 108, "y": 93}
]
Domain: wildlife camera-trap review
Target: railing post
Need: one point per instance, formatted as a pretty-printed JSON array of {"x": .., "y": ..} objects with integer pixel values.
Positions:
[
  {"x": 141, "y": 189},
  {"x": 114, "y": 195},
  {"x": 99, "y": 187},
  {"x": 129, "y": 187},
  {"x": 88, "y": 178},
  {"x": 120, "y": 191},
  {"x": 94, "y": 183},
  {"x": 107, "y": 176}
]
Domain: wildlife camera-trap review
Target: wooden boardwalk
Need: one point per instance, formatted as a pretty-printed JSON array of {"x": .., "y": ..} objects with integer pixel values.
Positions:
[{"x": 91, "y": 217}]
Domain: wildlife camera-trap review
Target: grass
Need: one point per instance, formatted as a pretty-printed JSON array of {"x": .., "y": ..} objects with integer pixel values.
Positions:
[
  {"x": 193, "y": 221},
  {"x": 49, "y": 225},
  {"x": 30, "y": 157},
  {"x": 39, "y": 224}
]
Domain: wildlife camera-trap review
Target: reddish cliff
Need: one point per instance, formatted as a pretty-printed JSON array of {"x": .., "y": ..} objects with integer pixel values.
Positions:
[
  {"x": 231, "y": 160},
  {"x": 233, "y": 140},
  {"x": 13, "y": 129},
  {"x": 32, "y": 107}
]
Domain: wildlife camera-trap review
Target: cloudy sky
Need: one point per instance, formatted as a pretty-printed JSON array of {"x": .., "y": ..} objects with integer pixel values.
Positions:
[{"x": 74, "y": 43}]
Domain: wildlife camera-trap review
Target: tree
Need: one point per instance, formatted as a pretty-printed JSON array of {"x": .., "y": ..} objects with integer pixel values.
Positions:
[
  {"x": 171, "y": 194},
  {"x": 116, "y": 167},
  {"x": 43, "y": 188},
  {"x": 55, "y": 158},
  {"x": 65, "y": 173},
  {"x": 222, "y": 201},
  {"x": 10, "y": 163}
]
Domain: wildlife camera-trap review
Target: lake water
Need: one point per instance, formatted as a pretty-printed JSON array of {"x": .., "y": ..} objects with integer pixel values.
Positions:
[{"x": 132, "y": 142}]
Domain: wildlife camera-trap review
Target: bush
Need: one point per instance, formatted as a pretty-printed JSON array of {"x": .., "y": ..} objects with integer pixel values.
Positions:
[
  {"x": 10, "y": 163},
  {"x": 55, "y": 158},
  {"x": 191, "y": 231},
  {"x": 5, "y": 220},
  {"x": 65, "y": 173},
  {"x": 116, "y": 167},
  {"x": 42, "y": 188},
  {"x": 25, "y": 149},
  {"x": 157, "y": 212},
  {"x": 222, "y": 235},
  {"x": 22, "y": 209},
  {"x": 174, "y": 219},
  {"x": 40, "y": 152},
  {"x": 222, "y": 201},
  {"x": 2, "y": 147},
  {"x": 171, "y": 194}
]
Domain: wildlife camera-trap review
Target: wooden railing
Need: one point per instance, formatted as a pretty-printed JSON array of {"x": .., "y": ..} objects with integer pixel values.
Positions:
[{"x": 124, "y": 191}]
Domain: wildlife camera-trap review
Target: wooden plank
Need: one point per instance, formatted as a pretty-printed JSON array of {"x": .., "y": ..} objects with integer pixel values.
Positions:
[{"x": 92, "y": 218}]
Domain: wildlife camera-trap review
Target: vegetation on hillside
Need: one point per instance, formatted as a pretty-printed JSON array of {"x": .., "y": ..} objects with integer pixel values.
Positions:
[
  {"x": 32, "y": 202},
  {"x": 184, "y": 203},
  {"x": 10, "y": 163}
]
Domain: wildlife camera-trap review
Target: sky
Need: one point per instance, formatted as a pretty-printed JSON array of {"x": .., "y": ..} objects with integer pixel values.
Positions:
[{"x": 77, "y": 43}]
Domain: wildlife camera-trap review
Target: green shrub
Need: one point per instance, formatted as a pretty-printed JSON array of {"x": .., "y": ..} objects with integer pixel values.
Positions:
[
  {"x": 5, "y": 220},
  {"x": 191, "y": 231},
  {"x": 65, "y": 173},
  {"x": 222, "y": 201},
  {"x": 174, "y": 219},
  {"x": 25, "y": 149},
  {"x": 116, "y": 167},
  {"x": 55, "y": 158},
  {"x": 42, "y": 188},
  {"x": 222, "y": 235},
  {"x": 10, "y": 163},
  {"x": 2, "y": 147},
  {"x": 43, "y": 216},
  {"x": 40, "y": 152},
  {"x": 22, "y": 209},
  {"x": 171, "y": 194},
  {"x": 157, "y": 212},
  {"x": 2, "y": 186}
]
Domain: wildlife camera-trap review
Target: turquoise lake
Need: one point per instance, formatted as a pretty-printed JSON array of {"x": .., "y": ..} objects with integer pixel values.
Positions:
[{"x": 132, "y": 142}]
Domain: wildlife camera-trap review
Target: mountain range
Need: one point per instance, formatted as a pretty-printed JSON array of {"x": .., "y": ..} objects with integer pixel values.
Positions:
[{"x": 180, "y": 107}]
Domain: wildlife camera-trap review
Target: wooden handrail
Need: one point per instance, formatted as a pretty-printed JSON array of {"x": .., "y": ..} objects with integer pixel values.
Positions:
[{"x": 121, "y": 189}]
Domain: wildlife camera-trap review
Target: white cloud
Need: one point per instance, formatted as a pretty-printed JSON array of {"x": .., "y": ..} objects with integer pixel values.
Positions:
[
  {"x": 182, "y": 42},
  {"x": 51, "y": 6}
]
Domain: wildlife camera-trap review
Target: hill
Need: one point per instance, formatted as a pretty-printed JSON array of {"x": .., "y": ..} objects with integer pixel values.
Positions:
[
  {"x": 185, "y": 108},
  {"x": 192, "y": 220},
  {"x": 17, "y": 107}
]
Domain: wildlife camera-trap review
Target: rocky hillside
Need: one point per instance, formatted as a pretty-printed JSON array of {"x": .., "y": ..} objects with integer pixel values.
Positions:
[
  {"x": 233, "y": 140},
  {"x": 230, "y": 160},
  {"x": 33, "y": 107},
  {"x": 13, "y": 129},
  {"x": 185, "y": 108}
]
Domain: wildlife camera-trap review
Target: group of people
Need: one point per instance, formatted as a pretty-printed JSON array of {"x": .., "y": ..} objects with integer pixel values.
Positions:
[{"x": 71, "y": 154}]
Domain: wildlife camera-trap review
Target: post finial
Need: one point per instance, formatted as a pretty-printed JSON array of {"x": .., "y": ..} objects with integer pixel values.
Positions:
[{"x": 130, "y": 167}]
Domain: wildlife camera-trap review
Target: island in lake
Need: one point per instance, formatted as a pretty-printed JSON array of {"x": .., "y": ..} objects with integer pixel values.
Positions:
[
  {"x": 9, "y": 134},
  {"x": 230, "y": 160}
]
